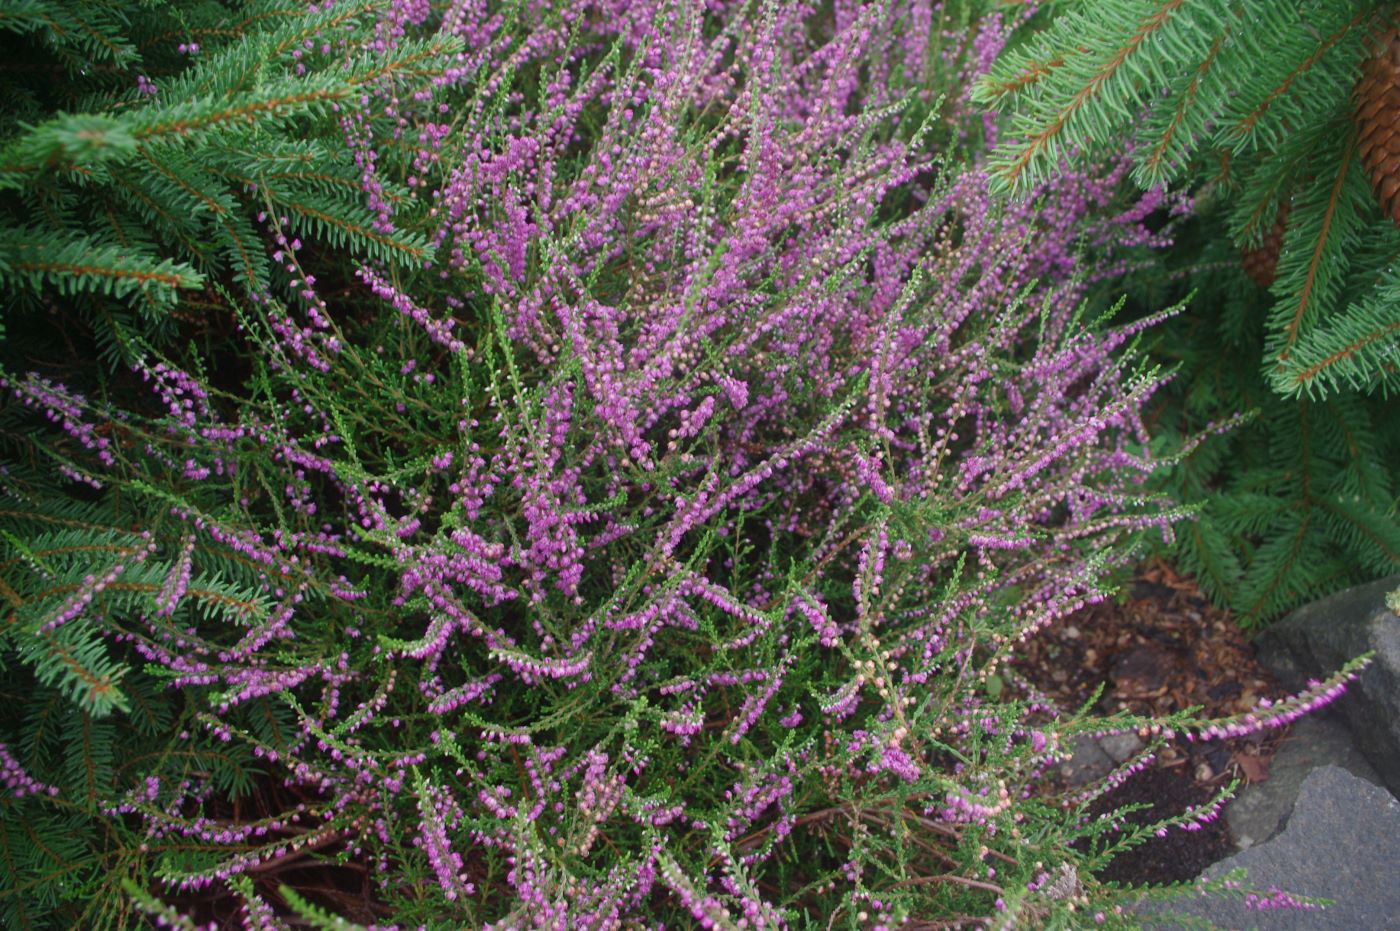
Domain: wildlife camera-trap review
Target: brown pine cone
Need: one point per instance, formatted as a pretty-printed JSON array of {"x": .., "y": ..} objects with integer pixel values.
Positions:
[
  {"x": 1260, "y": 264},
  {"x": 1378, "y": 120}
]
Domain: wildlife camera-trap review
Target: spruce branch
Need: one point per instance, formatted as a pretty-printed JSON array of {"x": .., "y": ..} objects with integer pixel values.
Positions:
[{"x": 71, "y": 265}]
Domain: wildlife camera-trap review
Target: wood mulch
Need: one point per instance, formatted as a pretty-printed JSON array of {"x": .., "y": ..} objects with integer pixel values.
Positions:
[{"x": 1161, "y": 649}]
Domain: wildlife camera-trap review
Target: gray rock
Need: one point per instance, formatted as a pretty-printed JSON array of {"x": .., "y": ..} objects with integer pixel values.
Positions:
[
  {"x": 1087, "y": 762},
  {"x": 1318, "y": 638},
  {"x": 1261, "y": 809},
  {"x": 1342, "y": 842},
  {"x": 1121, "y": 747}
]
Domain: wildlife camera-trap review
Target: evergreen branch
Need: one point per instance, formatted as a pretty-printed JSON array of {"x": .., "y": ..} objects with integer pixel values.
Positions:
[
  {"x": 409, "y": 60},
  {"x": 242, "y": 245},
  {"x": 990, "y": 92},
  {"x": 1273, "y": 100},
  {"x": 1246, "y": 126},
  {"x": 1359, "y": 349},
  {"x": 1211, "y": 558},
  {"x": 308, "y": 164},
  {"x": 89, "y": 28},
  {"x": 1318, "y": 248},
  {"x": 7, "y": 859},
  {"x": 56, "y": 520},
  {"x": 332, "y": 19},
  {"x": 39, "y": 552},
  {"x": 275, "y": 44},
  {"x": 78, "y": 142},
  {"x": 79, "y": 666},
  {"x": 73, "y": 264},
  {"x": 11, "y": 596},
  {"x": 1322, "y": 240},
  {"x": 222, "y": 30},
  {"x": 248, "y": 607},
  {"x": 26, "y": 16},
  {"x": 170, "y": 167},
  {"x": 1380, "y": 536},
  {"x": 158, "y": 212},
  {"x": 287, "y": 97},
  {"x": 1261, "y": 598},
  {"x": 350, "y": 225},
  {"x": 1152, "y": 166},
  {"x": 1037, "y": 144},
  {"x": 1260, "y": 201},
  {"x": 186, "y": 119}
]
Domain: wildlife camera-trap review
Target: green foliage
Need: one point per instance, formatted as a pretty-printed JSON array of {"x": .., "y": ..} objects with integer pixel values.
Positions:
[
  {"x": 1248, "y": 102},
  {"x": 118, "y": 196},
  {"x": 135, "y": 173},
  {"x": 308, "y": 600},
  {"x": 54, "y": 554},
  {"x": 79, "y": 709},
  {"x": 1299, "y": 500},
  {"x": 314, "y": 916}
]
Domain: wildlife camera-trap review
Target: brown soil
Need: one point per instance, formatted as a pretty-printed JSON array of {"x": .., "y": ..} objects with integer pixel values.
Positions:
[
  {"x": 1179, "y": 856},
  {"x": 1162, "y": 649}
]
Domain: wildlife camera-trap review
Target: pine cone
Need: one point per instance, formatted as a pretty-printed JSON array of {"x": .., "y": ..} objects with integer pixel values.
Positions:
[
  {"x": 1260, "y": 264},
  {"x": 1378, "y": 120}
]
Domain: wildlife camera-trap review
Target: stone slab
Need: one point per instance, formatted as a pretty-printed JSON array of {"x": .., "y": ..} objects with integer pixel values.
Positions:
[
  {"x": 1087, "y": 762},
  {"x": 1260, "y": 810},
  {"x": 1318, "y": 638},
  {"x": 1342, "y": 841}
]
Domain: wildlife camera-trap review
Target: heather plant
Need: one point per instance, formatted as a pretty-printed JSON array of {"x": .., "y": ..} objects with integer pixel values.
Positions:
[{"x": 651, "y": 553}]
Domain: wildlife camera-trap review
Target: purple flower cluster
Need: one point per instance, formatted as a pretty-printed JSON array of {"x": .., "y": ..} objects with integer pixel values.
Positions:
[
  {"x": 439, "y": 814},
  {"x": 64, "y": 408},
  {"x": 1277, "y": 899},
  {"x": 17, "y": 781}
]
